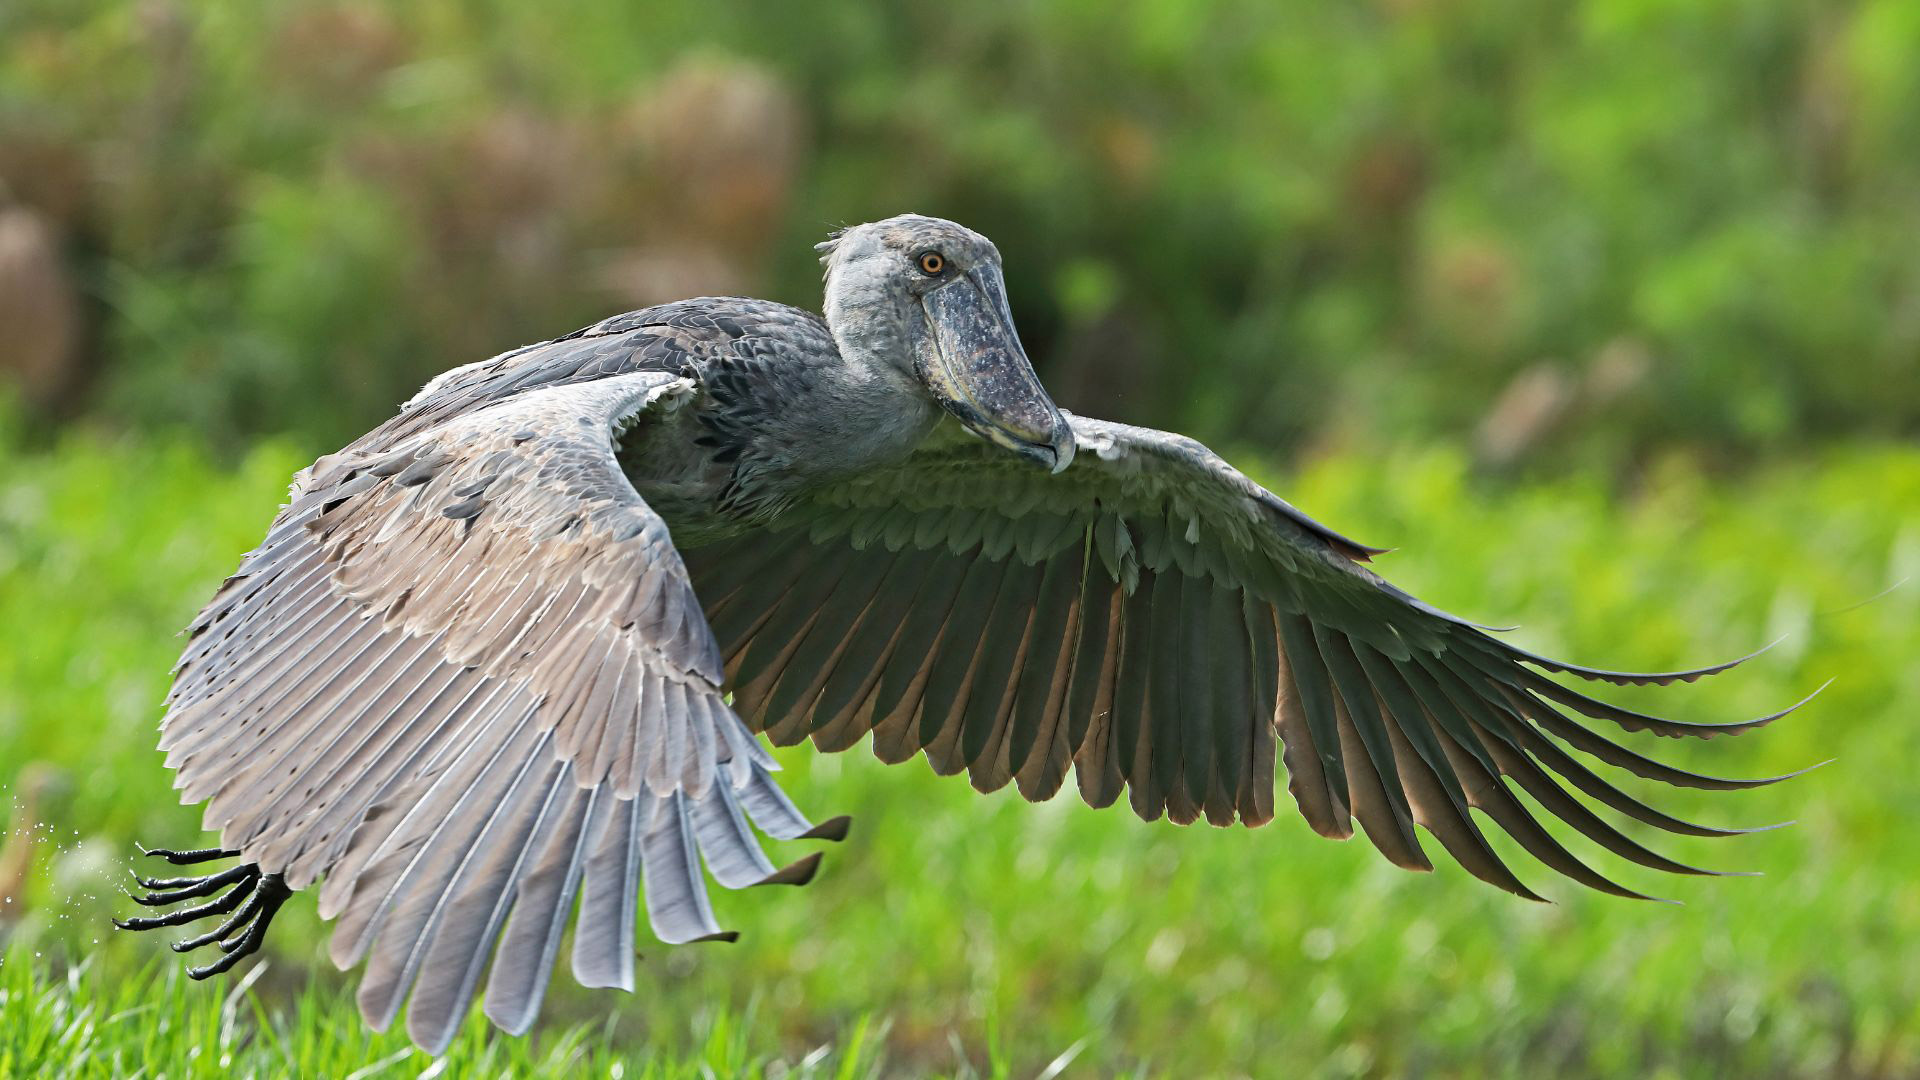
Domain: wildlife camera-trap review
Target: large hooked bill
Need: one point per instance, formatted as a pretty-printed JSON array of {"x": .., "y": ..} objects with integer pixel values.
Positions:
[{"x": 970, "y": 358}]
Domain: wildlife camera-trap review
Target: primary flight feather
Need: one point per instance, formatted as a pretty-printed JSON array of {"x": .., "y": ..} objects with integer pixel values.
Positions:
[{"x": 475, "y": 682}]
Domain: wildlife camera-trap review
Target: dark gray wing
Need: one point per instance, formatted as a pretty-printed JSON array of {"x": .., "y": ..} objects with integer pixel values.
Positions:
[
  {"x": 1161, "y": 624},
  {"x": 466, "y": 680}
]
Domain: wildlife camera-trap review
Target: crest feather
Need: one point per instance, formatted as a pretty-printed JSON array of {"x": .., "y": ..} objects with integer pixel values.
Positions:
[{"x": 825, "y": 247}]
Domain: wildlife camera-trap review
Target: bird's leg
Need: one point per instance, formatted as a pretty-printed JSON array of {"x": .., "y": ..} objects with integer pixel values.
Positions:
[
  {"x": 180, "y": 858},
  {"x": 238, "y": 919},
  {"x": 178, "y": 889},
  {"x": 256, "y": 901},
  {"x": 188, "y": 858},
  {"x": 166, "y": 883},
  {"x": 186, "y": 915},
  {"x": 271, "y": 892},
  {"x": 253, "y": 900}
]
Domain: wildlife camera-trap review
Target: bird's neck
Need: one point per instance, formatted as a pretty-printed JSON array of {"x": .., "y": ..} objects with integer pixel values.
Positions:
[
  {"x": 781, "y": 426},
  {"x": 870, "y": 409},
  {"x": 868, "y": 398}
]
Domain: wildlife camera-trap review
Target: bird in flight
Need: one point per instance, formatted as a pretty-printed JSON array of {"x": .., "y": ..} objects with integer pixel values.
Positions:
[{"x": 499, "y": 664}]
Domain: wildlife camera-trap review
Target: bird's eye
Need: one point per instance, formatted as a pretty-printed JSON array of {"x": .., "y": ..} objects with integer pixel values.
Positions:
[{"x": 932, "y": 262}]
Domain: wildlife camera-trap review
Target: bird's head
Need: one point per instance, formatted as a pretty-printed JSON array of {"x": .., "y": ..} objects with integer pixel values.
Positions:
[{"x": 926, "y": 296}]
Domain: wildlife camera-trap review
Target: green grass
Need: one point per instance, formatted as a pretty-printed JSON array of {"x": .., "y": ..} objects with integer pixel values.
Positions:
[
  {"x": 88, "y": 1023},
  {"x": 958, "y": 933}
]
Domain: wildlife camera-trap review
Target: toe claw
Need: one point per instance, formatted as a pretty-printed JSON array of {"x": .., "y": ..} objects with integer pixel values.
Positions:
[{"x": 209, "y": 970}]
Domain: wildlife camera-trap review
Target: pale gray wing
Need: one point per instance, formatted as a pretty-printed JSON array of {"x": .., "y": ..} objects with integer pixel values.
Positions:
[
  {"x": 1157, "y": 622},
  {"x": 466, "y": 680}
]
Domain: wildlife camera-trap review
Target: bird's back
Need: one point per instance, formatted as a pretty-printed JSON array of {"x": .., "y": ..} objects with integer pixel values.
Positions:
[{"x": 695, "y": 333}]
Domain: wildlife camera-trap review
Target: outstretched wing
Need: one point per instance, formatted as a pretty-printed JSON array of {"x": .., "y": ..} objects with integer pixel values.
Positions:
[
  {"x": 1163, "y": 625},
  {"x": 465, "y": 678}
]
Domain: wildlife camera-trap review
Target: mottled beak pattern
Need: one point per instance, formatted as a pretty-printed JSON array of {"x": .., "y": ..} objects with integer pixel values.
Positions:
[{"x": 968, "y": 355}]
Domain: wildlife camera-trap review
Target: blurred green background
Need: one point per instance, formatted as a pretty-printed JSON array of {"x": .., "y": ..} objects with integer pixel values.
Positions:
[{"x": 1608, "y": 313}]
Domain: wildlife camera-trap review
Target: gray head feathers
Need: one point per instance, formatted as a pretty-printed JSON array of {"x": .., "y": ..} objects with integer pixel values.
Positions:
[{"x": 904, "y": 233}]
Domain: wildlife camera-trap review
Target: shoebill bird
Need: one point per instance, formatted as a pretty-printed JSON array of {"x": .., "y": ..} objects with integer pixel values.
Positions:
[{"x": 503, "y": 659}]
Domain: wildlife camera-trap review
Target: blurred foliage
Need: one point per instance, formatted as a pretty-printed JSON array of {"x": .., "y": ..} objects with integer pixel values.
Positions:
[
  {"x": 982, "y": 933},
  {"x": 1632, "y": 223}
]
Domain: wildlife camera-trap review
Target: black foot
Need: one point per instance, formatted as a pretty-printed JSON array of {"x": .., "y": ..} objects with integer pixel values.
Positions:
[{"x": 257, "y": 897}]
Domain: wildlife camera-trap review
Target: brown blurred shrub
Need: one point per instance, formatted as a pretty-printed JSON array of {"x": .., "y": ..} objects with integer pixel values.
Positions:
[
  {"x": 39, "y": 311},
  {"x": 1469, "y": 291},
  {"x": 494, "y": 208},
  {"x": 334, "y": 56},
  {"x": 713, "y": 150}
]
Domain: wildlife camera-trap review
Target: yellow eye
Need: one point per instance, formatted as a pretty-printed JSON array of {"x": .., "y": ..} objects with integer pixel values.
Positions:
[{"x": 932, "y": 262}]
